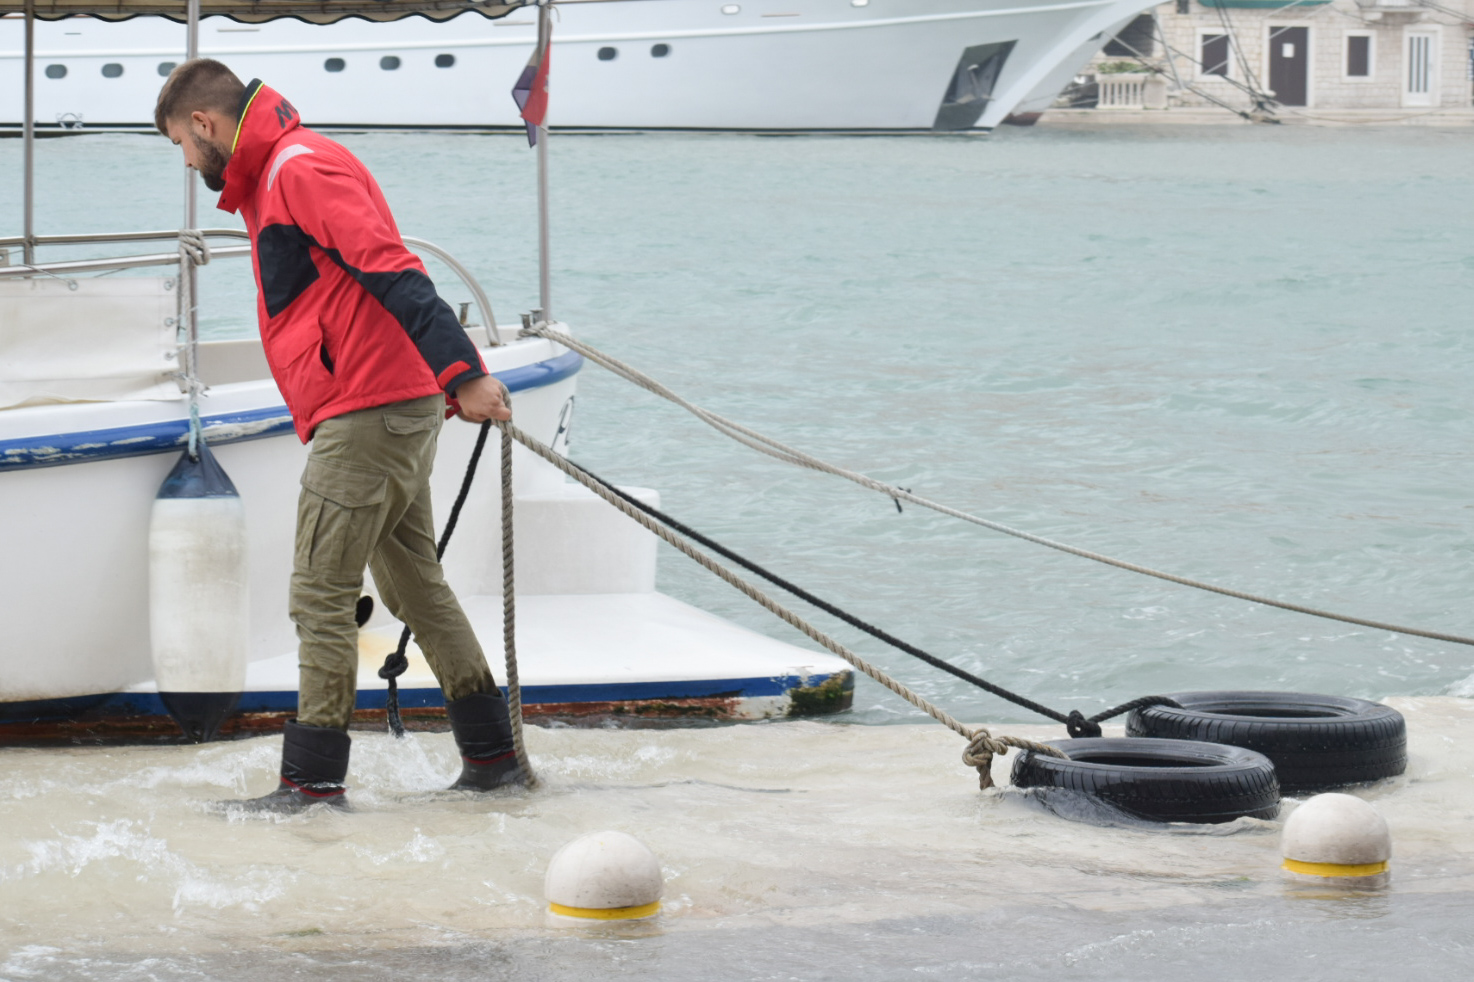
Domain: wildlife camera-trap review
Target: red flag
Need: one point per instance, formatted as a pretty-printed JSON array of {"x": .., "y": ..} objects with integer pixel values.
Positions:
[{"x": 531, "y": 91}]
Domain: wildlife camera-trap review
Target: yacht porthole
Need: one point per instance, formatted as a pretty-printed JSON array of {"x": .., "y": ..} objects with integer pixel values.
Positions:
[
  {"x": 389, "y": 62},
  {"x": 56, "y": 71},
  {"x": 444, "y": 61},
  {"x": 608, "y": 54},
  {"x": 660, "y": 51},
  {"x": 334, "y": 65},
  {"x": 112, "y": 70},
  {"x": 731, "y": 8},
  {"x": 165, "y": 67}
]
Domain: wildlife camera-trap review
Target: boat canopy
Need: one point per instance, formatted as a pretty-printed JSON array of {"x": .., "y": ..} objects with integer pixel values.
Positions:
[{"x": 259, "y": 11}]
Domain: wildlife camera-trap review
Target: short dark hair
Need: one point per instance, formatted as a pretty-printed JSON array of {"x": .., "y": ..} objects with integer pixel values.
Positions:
[{"x": 199, "y": 85}]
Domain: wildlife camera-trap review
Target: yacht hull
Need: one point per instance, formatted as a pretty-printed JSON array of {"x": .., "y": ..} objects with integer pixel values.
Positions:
[{"x": 772, "y": 65}]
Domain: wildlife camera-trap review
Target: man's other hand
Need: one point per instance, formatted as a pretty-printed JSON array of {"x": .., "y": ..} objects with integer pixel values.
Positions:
[{"x": 483, "y": 398}]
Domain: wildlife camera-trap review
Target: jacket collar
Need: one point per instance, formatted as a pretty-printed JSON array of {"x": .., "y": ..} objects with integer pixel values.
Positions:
[{"x": 263, "y": 119}]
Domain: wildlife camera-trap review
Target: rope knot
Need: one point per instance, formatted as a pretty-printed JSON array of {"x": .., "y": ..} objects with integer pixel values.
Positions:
[
  {"x": 1078, "y": 726},
  {"x": 193, "y": 245},
  {"x": 394, "y": 666},
  {"x": 981, "y": 748}
]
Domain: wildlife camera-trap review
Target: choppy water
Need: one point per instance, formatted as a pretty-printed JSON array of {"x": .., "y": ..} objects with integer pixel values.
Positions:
[{"x": 1236, "y": 353}]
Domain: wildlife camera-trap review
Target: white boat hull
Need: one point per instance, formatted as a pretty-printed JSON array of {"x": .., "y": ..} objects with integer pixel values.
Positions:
[
  {"x": 77, "y": 483},
  {"x": 774, "y": 65}
]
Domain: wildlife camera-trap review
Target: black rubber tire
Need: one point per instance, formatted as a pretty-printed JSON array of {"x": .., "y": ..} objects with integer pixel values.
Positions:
[
  {"x": 1160, "y": 780},
  {"x": 1316, "y": 742}
]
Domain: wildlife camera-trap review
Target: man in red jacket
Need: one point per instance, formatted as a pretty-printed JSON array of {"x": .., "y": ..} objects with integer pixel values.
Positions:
[{"x": 366, "y": 355}]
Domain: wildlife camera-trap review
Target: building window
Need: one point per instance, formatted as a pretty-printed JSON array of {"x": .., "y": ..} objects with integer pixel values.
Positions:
[
  {"x": 56, "y": 71},
  {"x": 660, "y": 51},
  {"x": 608, "y": 54},
  {"x": 445, "y": 61},
  {"x": 165, "y": 67},
  {"x": 1213, "y": 54},
  {"x": 1420, "y": 72},
  {"x": 334, "y": 65},
  {"x": 112, "y": 70},
  {"x": 1358, "y": 55},
  {"x": 389, "y": 62},
  {"x": 1137, "y": 38}
]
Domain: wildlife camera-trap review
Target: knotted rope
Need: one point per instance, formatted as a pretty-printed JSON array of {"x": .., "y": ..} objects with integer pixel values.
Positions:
[
  {"x": 982, "y": 745},
  {"x": 781, "y": 451}
]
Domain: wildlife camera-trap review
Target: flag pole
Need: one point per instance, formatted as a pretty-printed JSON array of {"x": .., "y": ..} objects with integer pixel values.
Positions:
[
  {"x": 545, "y": 288},
  {"x": 191, "y": 50},
  {"x": 28, "y": 247}
]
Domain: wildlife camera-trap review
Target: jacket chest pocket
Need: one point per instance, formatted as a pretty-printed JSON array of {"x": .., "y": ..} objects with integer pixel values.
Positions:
[{"x": 339, "y": 517}]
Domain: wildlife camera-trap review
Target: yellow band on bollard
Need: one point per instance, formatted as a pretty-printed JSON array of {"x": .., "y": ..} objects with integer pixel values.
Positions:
[
  {"x": 607, "y": 913},
  {"x": 1335, "y": 869}
]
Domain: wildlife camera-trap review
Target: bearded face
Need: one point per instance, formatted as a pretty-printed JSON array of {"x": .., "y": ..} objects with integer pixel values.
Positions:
[{"x": 210, "y": 162}]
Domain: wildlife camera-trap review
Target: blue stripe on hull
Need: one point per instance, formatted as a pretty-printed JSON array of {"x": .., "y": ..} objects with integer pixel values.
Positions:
[
  {"x": 256, "y": 424},
  {"x": 124, "y": 704}
]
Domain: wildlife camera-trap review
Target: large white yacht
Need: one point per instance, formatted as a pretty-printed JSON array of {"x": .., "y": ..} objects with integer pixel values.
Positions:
[{"x": 760, "y": 65}]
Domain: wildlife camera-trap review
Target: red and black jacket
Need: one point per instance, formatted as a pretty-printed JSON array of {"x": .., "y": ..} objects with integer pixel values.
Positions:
[{"x": 349, "y": 318}]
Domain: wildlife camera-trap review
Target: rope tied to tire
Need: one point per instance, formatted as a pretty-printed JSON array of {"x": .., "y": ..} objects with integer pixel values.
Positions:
[{"x": 982, "y": 744}]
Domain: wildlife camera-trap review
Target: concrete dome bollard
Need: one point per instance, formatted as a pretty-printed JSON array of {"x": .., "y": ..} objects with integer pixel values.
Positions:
[
  {"x": 1336, "y": 840},
  {"x": 604, "y": 876}
]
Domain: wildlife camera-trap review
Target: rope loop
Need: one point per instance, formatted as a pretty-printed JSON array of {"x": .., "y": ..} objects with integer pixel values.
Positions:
[{"x": 1078, "y": 726}]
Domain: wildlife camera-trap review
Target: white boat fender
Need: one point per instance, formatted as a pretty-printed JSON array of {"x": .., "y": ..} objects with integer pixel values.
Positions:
[
  {"x": 603, "y": 876},
  {"x": 199, "y": 601},
  {"x": 1337, "y": 840}
]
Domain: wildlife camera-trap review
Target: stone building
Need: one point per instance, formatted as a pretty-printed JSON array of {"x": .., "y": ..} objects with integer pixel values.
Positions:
[{"x": 1343, "y": 58}]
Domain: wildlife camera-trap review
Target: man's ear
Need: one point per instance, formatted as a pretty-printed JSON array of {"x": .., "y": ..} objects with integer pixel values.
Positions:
[{"x": 202, "y": 124}]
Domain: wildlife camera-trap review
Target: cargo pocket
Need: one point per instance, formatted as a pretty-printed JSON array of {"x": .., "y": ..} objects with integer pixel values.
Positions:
[
  {"x": 403, "y": 423},
  {"x": 338, "y": 517}
]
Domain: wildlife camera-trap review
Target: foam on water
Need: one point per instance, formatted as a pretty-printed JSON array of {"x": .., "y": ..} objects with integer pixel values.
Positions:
[{"x": 794, "y": 826}]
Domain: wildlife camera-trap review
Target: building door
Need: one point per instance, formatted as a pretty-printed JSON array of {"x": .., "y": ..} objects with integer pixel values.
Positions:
[
  {"x": 1289, "y": 64},
  {"x": 1420, "y": 69}
]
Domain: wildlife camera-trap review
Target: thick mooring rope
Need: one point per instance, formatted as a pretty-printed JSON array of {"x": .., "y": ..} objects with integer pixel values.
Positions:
[
  {"x": 781, "y": 451},
  {"x": 982, "y": 745},
  {"x": 509, "y": 609},
  {"x": 1075, "y": 722},
  {"x": 396, "y": 662}
]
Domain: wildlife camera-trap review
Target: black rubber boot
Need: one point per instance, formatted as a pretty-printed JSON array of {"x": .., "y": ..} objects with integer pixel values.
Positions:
[
  {"x": 483, "y": 732},
  {"x": 314, "y": 761}
]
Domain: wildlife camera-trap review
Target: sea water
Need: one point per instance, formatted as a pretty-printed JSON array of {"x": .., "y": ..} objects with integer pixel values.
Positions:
[{"x": 1236, "y": 353}]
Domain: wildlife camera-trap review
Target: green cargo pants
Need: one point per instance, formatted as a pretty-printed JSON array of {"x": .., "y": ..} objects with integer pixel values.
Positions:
[{"x": 365, "y": 501}]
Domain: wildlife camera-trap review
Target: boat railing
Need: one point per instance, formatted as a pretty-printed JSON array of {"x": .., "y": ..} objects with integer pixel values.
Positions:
[{"x": 112, "y": 263}]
